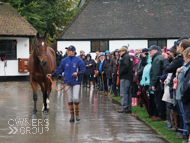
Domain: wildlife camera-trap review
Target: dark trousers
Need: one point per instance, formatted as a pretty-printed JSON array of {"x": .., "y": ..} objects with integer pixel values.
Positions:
[
  {"x": 114, "y": 79},
  {"x": 160, "y": 105},
  {"x": 168, "y": 111},
  {"x": 152, "y": 106},
  {"x": 180, "y": 117},
  {"x": 134, "y": 89},
  {"x": 84, "y": 79}
]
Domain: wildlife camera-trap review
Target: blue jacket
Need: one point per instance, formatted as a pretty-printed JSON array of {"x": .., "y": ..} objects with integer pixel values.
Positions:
[
  {"x": 69, "y": 65},
  {"x": 146, "y": 74},
  {"x": 185, "y": 98},
  {"x": 181, "y": 80}
]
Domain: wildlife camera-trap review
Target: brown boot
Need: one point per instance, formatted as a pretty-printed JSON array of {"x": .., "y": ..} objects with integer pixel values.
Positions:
[
  {"x": 72, "y": 119},
  {"x": 77, "y": 111},
  {"x": 153, "y": 117}
]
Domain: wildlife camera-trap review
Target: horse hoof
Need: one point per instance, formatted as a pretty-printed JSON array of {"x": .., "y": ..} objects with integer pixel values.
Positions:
[
  {"x": 45, "y": 112},
  {"x": 34, "y": 116}
]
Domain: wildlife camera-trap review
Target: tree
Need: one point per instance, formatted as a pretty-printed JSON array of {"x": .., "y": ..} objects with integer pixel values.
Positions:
[{"x": 49, "y": 16}]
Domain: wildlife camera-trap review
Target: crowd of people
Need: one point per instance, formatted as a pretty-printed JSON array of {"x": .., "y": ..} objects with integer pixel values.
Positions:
[{"x": 156, "y": 78}]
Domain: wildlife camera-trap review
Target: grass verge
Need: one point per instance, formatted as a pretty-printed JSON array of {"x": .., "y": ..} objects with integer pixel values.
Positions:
[{"x": 157, "y": 126}]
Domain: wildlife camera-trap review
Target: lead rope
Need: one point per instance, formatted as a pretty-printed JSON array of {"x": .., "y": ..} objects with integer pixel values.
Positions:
[{"x": 60, "y": 90}]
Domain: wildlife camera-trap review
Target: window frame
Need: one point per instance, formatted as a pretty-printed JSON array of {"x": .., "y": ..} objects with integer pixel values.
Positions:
[
  {"x": 99, "y": 45},
  {"x": 157, "y": 42},
  {"x": 13, "y": 40}
]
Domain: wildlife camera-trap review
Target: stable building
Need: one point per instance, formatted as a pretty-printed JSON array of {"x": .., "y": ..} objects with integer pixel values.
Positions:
[
  {"x": 15, "y": 32},
  {"x": 109, "y": 24}
]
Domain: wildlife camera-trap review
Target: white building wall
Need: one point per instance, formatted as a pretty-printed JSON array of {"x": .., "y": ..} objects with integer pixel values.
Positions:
[
  {"x": 22, "y": 52},
  {"x": 133, "y": 44},
  {"x": 170, "y": 43},
  {"x": 79, "y": 45},
  {"x": 113, "y": 44}
]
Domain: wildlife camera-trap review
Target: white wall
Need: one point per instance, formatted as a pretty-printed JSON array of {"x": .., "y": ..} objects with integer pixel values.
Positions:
[
  {"x": 113, "y": 44},
  {"x": 170, "y": 43},
  {"x": 133, "y": 44},
  {"x": 22, "y": 52},
  {"x": 79, "y": 45}
]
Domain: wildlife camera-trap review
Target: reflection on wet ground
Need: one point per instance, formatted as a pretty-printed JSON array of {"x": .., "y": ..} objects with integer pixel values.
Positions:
[{"x": 100, "y": 122}]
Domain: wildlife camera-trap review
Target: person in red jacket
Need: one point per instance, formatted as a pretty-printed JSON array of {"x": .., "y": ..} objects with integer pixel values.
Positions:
[{"x": 134, "y": 87}]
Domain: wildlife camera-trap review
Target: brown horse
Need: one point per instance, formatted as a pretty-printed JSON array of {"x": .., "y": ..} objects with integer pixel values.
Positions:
[{"x": 41, "y": 61}]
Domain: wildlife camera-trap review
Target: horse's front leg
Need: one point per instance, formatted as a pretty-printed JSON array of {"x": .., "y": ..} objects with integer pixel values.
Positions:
[
  {"x": 45, "y": 103},
  {"x": 48, "y": 93},
  {"x": 44, "y": 91},
  {"x": 45, "y": 96},
  {"x": 35, "y": 96}
]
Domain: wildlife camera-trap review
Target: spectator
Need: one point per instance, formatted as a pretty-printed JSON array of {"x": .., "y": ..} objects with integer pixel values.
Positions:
[
  {"x": 84, "y": 78},
  {"x": 137, "y": 52},
  {"x": 113, "y": 69},
  {"x": 165, "y": 87},
  {"x": 182, "y": 71},
  {"x": 90, "y": 67},
  {"x": 97, "y": 54},
  {"x": 185, "y": 98},
  {"x": 142, "y": 63},
  {"x": 81, "y": 53},
  {"x": 107, "y": 52},
  {"x": 101, "y": 68},
  {"x": 126, "y": 76},
  {"x": 59, "y": 58},
  {"x": 148, "y": 95},
  {"x": 155, "y": 73},
  {"x": 134, "y": 87},
  {"x": 97, "y": 75},
  {"x": 108, "y": 72},
  {"x": 171, "y": 68},
  {"x": 112, "y": 54}
]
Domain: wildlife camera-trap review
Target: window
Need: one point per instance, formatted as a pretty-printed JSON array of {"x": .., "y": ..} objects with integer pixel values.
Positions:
[
  {"x": 101, "y": 46},
  {"x": 159, "y": 42},
  {"x": 8, "y": 47}
]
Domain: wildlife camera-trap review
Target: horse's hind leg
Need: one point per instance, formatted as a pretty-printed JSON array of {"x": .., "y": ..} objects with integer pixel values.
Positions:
[{"x": 35, "y": 97}]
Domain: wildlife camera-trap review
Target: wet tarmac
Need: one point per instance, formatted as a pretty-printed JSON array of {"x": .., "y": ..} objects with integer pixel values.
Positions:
[{"x": 100, "y": 122}]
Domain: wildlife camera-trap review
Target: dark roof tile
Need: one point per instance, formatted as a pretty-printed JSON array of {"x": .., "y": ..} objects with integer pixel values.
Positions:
[{"x": 114, "y": 19}]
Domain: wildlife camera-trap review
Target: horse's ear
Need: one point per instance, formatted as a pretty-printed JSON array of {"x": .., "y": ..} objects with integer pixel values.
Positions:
[
  {"x": 38, "y": 35},
  {"x": 45, "y": 35}
]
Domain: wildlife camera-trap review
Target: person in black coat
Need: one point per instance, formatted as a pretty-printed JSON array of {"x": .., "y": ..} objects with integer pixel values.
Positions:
[
  {"x": 101, "y": 70},
  {"x": 90, "y": 67},
  {"x": 84, "y": 78},
  {"x": 108, "y": 71},
  {"x": 59, "y": 58},
  {"x": 126, "y": 76}
]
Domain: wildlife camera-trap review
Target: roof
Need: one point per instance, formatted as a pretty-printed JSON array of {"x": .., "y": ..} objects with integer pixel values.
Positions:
[
  {"x": 12, "y": 23},
  {"x": 126, "y": 19}
]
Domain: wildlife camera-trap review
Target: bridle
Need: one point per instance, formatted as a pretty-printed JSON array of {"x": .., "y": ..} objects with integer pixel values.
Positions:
[{"x": 39, "y": 54}]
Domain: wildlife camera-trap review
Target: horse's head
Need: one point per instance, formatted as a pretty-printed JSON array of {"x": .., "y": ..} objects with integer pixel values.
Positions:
[{"x": 40, "y": 47}]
